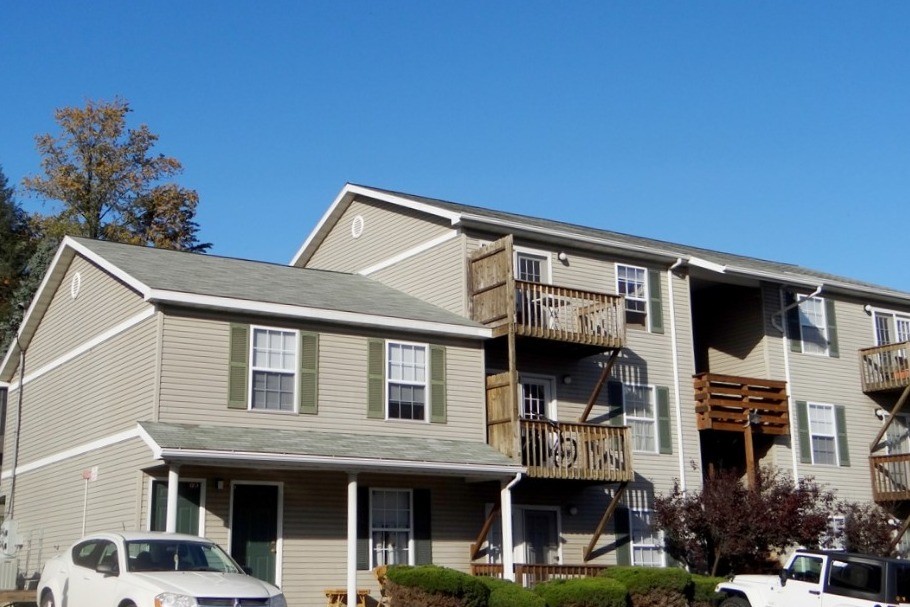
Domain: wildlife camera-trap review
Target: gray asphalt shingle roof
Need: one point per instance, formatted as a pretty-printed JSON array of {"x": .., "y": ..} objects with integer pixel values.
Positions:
[
  {"x": 210, "y": 275},
  {"x": 679, "y": 250},
  {"x": 311, "y": 443}
]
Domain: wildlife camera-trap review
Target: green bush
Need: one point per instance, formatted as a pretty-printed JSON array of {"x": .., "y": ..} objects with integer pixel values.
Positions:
[
  {"x": 583, "y": 592},
  {"x": 466, "y": 590},
  {"x": 504, "y": 593},
  {"x": 643, "y": 579},
  {"x": 701, "y": 591}
]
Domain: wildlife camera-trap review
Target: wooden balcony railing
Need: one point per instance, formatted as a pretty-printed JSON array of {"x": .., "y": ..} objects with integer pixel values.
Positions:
[
  {"x": 890, "y": 477},
  {"x": 528, "y": 575},
  {"x": 730, "y": 402},
  {"x": 885, "y": 367},
  {"x": 534, "y": 309}
]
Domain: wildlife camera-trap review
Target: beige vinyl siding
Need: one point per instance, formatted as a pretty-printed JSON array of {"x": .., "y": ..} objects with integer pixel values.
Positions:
[
  {"x": 437, "y": 276},
  {"x": 733, "y": 332},
  {"x": 387, "y": 231},
  {"x": 48, "y": 501},
  {"x": 98, "y": 393},
  {"x": 102, "y": 303},
  {"x": 194, "y": 385}
]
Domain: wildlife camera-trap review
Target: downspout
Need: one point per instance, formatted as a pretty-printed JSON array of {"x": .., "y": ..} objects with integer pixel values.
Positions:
[
  {"x": 12, "y": 485},
  {"x": 776, "y": 319},
  {"x": 674, "y": 347},
  {"x": 508, "y": 548}
]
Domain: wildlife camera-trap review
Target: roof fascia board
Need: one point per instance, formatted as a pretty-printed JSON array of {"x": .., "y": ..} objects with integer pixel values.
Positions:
[
  {"x": 345, "y": 463},
  {"x": 339, "y": 316},
  {"x": 344, "y": 200}
]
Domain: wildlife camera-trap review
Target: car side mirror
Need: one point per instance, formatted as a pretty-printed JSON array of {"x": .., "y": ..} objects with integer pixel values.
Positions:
[
  {"x": 108, "y": 569},
  {"x": 783, "y": 577}
]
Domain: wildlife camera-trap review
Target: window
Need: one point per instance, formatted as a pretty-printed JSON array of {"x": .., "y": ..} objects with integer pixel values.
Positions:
[
  {"x": 891, "y": 328},
  {"x": 855, "y": 576},
  {"x": 833, "y": 538},
  {"x": 536, "y": 397},
  {"x": 823, "y": 434},
  {"x": 532, "y": 265},
  {"x": 407, "y": 381},
  {"x": 813, "y": 325},
  {"x": 273, "y": 370},
  {"x": 631, "y": 283},
  {"x": 806, "y": 569},
  {"x": 647, "y": 543},
  {"x": 189, "y": 504},
  {"x": 639, "y": 408},
  {"x": 390, "y": 526}
]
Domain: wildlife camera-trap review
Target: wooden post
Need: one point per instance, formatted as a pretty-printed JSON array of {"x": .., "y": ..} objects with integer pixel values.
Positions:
[
  {"x": 750, "y": 457},
  {"x": 897, "y": 409},
  {"x": 608, "y": 514},
  {"x": 485, "y": 530},
  {"x": 600, "y": 384},
  {"x": 900, "y": 533}
]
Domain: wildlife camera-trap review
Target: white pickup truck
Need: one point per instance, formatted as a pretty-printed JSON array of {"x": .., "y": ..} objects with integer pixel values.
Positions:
[{"x": 815, "y": 578}]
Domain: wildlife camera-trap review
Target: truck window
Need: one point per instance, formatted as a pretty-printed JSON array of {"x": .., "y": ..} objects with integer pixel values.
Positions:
[
  {"x": 805, "y": 568},
  {"x": 861, "y": 577},
  {"x": 902, "y": 574}
]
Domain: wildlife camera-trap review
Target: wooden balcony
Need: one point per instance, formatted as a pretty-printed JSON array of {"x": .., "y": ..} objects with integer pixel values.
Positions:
[
  {"x": 554, "y": 449},
  {"x": 528, "y": 575},
  {"x": 733, "y": 403},
  {"x": 885, "y": 367},
  {"x": 531, "y": 309},
  {"x": 890, "y": 477}
]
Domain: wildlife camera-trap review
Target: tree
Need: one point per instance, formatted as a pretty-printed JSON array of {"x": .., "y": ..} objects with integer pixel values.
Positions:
[
  {"x": 727, "y": 526},
  {"x": 111, "y": 187},
  {"x": 17, "y": 243},
  {"x": 868, "y": 529}
]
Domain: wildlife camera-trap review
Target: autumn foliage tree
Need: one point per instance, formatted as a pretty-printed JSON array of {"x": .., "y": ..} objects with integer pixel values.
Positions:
[
  {"x": 111, "y": 186},
  {"x": 728, "y": 527},
  {"x": 17, "y": 243}
]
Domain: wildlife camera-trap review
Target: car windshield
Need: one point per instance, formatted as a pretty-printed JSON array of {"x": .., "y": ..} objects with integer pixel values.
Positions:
[{"x": 178, "y": 555}]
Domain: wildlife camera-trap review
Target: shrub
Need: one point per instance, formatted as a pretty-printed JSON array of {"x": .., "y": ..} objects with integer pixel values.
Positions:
[
  {"x": 508, "y": 594},
  {"x": 583, "y": 592},
  {"x": 701, "y": 591},
  {"x": 652, "y": 587},
  {"x": 432, "y": 586}
]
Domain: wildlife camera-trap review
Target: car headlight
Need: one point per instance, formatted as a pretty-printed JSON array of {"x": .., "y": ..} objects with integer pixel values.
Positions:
[
  {"x": 278, "y": 601},
  {"x": 170, "y": 599}
]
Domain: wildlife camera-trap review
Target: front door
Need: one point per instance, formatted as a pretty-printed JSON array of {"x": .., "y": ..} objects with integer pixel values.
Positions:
[
  {"x": 541, "y": 538},
  {"x": 254, "y": 529}
]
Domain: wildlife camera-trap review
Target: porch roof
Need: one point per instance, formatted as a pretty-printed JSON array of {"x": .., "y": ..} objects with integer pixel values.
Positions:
[{"x": 301, "y": 449}]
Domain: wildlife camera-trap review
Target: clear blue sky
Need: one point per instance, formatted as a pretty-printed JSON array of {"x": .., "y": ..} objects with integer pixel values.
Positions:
[{"x": 774, "y": 129}]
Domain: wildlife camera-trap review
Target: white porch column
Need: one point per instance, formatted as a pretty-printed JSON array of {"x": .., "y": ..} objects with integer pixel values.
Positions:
[
  {"x": 173, "y": 482},
  {"x": 508, "y": 548},
  {"x": 352, "y": 540}
]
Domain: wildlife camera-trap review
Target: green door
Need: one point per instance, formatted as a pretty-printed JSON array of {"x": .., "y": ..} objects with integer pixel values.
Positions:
[
  {"x": 254, "y": 529},
  {"x": 189, "y": 496}
]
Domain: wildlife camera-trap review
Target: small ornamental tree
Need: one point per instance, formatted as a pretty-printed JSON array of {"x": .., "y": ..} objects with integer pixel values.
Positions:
[
  {"x": 868, "y": 529},
  {"x": 726, "y": 526}
]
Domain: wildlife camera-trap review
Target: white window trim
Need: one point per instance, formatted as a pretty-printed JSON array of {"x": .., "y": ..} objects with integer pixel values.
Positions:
[
  {"x": 647, "y": 287},
  {"x": 202, "y": 496},
  {"x": 894, "y": 316},
  {"x": 626, "y": 417},
  {"x": 659, "y": 546},
  {"x": 549, "y": 381},
  {"x": 823, "y": 328},
  {"x": 252, "y": 369},
  {"x": 411, "y": 544},
  {"x": 426, "y": 381},
  {"x": 812, "y": 433},
  {"x": 546, "y": 273}
]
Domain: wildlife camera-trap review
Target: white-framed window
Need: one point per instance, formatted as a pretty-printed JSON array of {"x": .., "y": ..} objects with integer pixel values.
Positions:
[
  {"x": 273, "y": 369},
  {"x": 406, "y": 389},
  {"x": 532, "y": 265},
  {"x": 899, "y": 435},
  {"x": 632, "y": 283},
  {"x": 833, "y": 538},
  {"x": 890, "y": 327},
  {"x": 823, "y": 434},
  {"x": 537, "y": 397},
  {"x": 647, "y": 542},
  {"x": 640, "y": 410},
  {"x": 391, "y": 527},
  {"x": 813, "y": 325}
]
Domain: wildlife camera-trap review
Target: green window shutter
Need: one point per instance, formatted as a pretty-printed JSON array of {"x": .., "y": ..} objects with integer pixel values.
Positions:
[
  {"x": 376, "y": 378},
  {"x": 309, "y": 372},
  {"x": 664, "y": 435},
  {"x": 833, "y": 350},
  {"x": 843, "y": 451},
  {"x": 623, "y": 538},
  {"x": 614, "y": 400},
  {"x": 238, "y": 363},
  {"x": 802, "y": 426},
  {"x": 423, "y": 544},
  {"x": 793, "y": 331},
  {"x": 656, "y": 308},
  {"x": 363, "y": 528},
  {"x": 438, "y": 384}
]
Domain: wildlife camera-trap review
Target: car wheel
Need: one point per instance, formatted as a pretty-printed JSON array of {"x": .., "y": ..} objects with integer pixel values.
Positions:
[
  {"x": 47, "y": 599},
  {"x": 735, "y": 601}
]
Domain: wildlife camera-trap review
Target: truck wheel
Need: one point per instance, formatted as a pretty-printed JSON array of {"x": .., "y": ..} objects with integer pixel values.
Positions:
[{"x": 735, "y": 601}]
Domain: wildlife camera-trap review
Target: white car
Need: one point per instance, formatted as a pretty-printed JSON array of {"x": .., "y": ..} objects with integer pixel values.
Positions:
[{"x": 150, "y": 569}]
